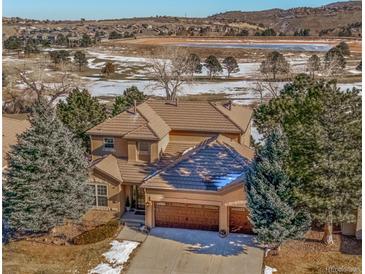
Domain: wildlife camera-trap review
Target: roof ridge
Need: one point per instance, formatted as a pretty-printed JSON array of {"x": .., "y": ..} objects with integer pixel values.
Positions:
[
  {"x": 226, "y": 116},
  {"x": 238, "y": 157},
  {"x": 183, "y": 157},
  {"x": 148, "y": 121},
  {"x": 133, "y": 130}
]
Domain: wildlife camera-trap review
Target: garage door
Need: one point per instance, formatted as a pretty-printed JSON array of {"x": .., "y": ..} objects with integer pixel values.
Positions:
[
  {"x": 191, "y": 216},
  {"x": 238, "y": 220}
]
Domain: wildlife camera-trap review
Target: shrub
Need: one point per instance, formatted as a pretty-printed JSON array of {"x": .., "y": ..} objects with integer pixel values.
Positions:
[{"x": 97, "y": 234}]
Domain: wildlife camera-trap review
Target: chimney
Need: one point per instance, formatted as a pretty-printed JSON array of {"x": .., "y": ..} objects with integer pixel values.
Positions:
[{"x": 134, "y": 106}]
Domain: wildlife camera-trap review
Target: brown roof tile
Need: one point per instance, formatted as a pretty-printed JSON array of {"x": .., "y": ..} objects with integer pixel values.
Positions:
[
  {"x": 194, "y": 116},
  {"x": 239, "y": 115},
  {"x": 155, "y": 118}
]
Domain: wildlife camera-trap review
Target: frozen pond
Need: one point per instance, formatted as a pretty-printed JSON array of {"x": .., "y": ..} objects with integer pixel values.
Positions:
[{"x": 271, "y": 46}]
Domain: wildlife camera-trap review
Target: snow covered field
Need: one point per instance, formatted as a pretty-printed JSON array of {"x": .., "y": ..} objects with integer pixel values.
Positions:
[{"x": 241, "y": 89}]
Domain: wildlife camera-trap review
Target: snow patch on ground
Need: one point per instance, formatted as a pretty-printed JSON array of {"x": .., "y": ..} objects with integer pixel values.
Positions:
[
  {"x": 106, "y": 269},
  {"x": 269, "y": 270},
  {"x": 117, "y": 256}
]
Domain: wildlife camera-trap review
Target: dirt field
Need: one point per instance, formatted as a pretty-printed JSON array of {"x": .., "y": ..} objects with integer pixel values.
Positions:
[{"x": 311, "y": 256}]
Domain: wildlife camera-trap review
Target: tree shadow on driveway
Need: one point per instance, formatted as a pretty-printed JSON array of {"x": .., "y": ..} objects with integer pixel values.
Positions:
[{"x": 207, "y": 242}]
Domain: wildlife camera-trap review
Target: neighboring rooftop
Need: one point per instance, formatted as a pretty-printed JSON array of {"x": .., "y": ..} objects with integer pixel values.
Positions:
[
  {"x": 211, "y": 165},
  {"x": 154, "y": 119}
]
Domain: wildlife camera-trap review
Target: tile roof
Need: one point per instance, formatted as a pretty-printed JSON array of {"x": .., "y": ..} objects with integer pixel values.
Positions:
[
  {"x": 134, "y": 172},
  {"x": 212, "y": 165},
  {"x": 239, "y": 115},
  {"x": 119, "y": 125},
  {"x": 194, "y": 116},
  {"x": 156, "y": 118},
  {"x": 108, "y": 165},
  {"x": 155, "y": 122}
]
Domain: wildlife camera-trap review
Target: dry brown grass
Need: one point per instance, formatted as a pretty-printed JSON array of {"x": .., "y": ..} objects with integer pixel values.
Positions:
[
  {"x": 41, "y": 255},
  {"x": 311, "y": 256},
  {"x": 31, "y": 257}
]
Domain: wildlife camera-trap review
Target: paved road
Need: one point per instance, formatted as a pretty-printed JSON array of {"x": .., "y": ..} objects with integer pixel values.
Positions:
[{"x": 183, "y": 251}]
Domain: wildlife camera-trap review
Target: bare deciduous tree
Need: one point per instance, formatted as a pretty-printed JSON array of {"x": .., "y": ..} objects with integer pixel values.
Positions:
[{"x": 170, "y": 70}]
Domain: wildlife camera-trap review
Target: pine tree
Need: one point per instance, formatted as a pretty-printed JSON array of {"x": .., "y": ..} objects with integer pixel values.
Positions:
[
  {"x": 46, "y": 182},
  {"x": 323, "y": 127},
  {"x": 213, "y": 65},
  {"x": 270, "y": 194},
  {"x": 194, "y": 64},
  {"x": 80, "y": 59},
  {"x": 230, "y": 65},
  {"x": 125, "y": 101},
  {"x": 314, "y": 64},
  {"x": 81, "y": 112},
  {"x": 108, "y": 69},
  {"x": 274, "y": 63}
]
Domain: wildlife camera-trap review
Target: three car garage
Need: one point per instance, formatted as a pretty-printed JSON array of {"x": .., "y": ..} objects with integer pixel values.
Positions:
[{"x": 202, "y": 217}]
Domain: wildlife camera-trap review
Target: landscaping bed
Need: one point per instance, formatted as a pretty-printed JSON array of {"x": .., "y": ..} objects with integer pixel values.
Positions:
[
  {"x": 56, "y": 252},
  {"x": 311, "y": 256}
]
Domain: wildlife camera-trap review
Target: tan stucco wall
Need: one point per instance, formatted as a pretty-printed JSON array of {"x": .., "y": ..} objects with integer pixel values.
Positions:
[
  {"x": 246, "y": 137},
  {"x": 235, "y": 197},
  {"x": 116, "y": 196},
  {"x": 132, "y": 151},
  {"x": 162, "y": 144},
  {"x": 97, "y": 147}
]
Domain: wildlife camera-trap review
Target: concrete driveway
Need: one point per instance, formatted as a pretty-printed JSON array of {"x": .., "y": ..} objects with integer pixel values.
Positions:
[{"x": 182, "y": 251}]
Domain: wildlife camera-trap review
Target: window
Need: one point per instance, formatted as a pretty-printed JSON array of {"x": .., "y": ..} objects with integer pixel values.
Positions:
[
  {"x": 144, "y": 148},
  {"x": 108, "y": 143},
  {"x": 100, "y": 195}
]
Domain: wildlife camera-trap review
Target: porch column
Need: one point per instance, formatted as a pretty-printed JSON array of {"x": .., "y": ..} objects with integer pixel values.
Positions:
[
  {"x": 223, "y": 218},
  {"x": 149, "y": 218}
]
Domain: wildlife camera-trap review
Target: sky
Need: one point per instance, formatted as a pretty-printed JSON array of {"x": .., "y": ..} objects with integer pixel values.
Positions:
[{"x": 109, "y": 9}]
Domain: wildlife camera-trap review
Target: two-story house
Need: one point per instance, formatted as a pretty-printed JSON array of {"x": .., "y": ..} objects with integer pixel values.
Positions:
[{"x": 183, "y": 164}]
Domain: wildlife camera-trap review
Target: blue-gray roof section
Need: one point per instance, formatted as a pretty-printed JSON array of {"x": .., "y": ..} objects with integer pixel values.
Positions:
[{"x": 212, "y": 165}]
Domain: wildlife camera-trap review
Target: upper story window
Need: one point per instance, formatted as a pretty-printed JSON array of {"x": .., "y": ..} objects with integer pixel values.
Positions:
[
  {"x": 109, "y": 144},
  {"x": 144, "y": 148}
]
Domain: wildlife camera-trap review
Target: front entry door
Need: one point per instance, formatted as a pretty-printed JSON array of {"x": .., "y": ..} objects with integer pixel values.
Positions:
[{"x": 138, "y": 197}]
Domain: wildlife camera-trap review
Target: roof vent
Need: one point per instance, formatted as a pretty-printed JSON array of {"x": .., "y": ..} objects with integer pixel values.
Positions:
[{"x": 228, "y": 105}]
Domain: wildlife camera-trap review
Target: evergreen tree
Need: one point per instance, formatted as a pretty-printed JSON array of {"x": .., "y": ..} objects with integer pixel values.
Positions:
[
  {"x": 334, "y": 60},
  {"x": 46, "y": 182},
  {"x": 30, "y": 47},
  {"x": 194, "y": 64},
  {"x": 108, "y": 69},
  {"x": 125, "y": 101},
  {"x": 59, "y": 56},
  {"x": 213, "y": 65},
  {"x": 270, "y": 195},
  {"x": 230, "y": 64},
  {"x": 80, "y": 59},
  {"x": 323, "y": 127},
  {"x": 344, "y": 48},
  {"x": 274, "y": 63},
  {"x": 13, "y": 42},
  {"x": 81, "y": 112},
  {"x": 85, "y": 41},
  {"x": 314, "y": 64}
]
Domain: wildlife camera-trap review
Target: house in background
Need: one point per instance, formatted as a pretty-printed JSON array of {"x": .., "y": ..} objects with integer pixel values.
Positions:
[{"x": 181, "y": 164}]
